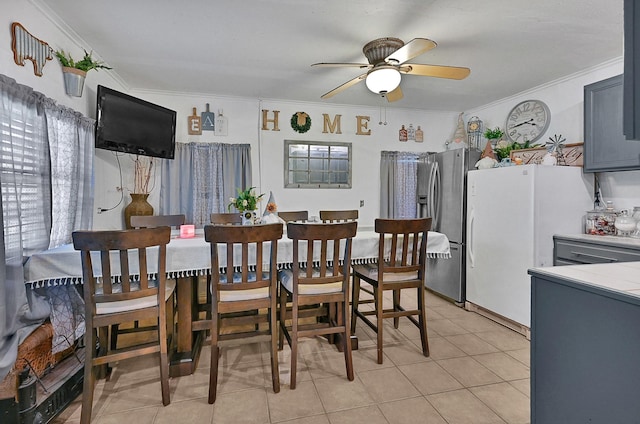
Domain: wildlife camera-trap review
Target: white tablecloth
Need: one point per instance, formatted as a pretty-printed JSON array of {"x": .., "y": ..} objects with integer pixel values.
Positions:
[{"x": 191, "y": 256}]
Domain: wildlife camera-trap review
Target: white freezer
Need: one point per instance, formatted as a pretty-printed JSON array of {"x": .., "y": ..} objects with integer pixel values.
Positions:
[{"x": 512, "y": 215}]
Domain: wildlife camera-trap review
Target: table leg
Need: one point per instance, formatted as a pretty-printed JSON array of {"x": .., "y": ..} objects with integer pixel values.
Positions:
[{"x": 188, "y": 343}]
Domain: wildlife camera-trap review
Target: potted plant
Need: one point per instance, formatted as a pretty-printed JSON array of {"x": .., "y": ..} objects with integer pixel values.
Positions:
[
  {"x": 75, "y": 72},
  {"x": 246, "y": 203},
  {"x": 494, "y": 134}
]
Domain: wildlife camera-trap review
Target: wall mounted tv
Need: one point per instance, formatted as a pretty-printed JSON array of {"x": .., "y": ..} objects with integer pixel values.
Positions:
[{"x": 131, "y": 125}]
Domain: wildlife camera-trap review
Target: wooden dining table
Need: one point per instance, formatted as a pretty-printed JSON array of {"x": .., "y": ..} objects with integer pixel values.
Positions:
[{"x": 188, "y": 259}]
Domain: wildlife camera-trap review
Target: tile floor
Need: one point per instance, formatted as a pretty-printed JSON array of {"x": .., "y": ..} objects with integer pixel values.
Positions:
[{"x": 478, "y": 372}]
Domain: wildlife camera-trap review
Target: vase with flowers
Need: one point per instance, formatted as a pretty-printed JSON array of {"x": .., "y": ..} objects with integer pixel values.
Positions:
[
  {"x": 142, "y": 185},
  {"x": 246, "y": 203}
]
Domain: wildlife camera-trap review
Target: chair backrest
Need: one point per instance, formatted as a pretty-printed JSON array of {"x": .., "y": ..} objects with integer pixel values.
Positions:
[
  {"x": 294, "y": 216},
  {"x": 125, "y": 274},
  {"x": 321, "y": 244},
  {"x": 339, "y": 216},
  {"x": 402, "y": 246},
  {"x": 226, "y": 218},
  {"x": 139, "y": 221},
  {"x": 244, "y": 246}
]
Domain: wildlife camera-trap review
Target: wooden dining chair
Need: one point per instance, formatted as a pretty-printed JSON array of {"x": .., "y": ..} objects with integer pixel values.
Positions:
[
  {"x": 150, "y": 221},
  {"x": 226, "y": 218},
  {"x": 238, "y": 291},
  {"x": 339, "y": 216},
  {"x": 327, "y": 283},
  {"x": 405, "y": 243},
  {"x": 294, "y": 216},
  {"x": 123, "y": 296}
]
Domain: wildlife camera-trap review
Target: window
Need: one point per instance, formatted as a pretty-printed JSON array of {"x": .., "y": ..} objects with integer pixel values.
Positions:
[{"x": 314, "y": 164}]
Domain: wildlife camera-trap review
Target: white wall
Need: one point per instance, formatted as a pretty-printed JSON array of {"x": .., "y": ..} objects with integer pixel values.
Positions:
[
  {"x": 51, "y": 82},
  {"x": 564, "y": 98},
  {"x": 267, "y": 146}
]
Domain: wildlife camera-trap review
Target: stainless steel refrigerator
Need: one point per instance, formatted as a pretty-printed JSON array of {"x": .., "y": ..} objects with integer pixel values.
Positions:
[{"x": 442, "y": 196}]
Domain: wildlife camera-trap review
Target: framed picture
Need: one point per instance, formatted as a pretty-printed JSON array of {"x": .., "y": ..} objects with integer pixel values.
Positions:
[{"x": 572, "y": 154}]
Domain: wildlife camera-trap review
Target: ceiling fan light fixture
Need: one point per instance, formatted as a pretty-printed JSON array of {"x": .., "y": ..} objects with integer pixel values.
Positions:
[{"x": 383, "y": 79}]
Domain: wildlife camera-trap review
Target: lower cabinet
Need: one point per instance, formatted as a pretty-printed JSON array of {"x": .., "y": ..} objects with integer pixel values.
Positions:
[
  {"x": 585, "y": 350},
  {"x": 588, "y": 249}
]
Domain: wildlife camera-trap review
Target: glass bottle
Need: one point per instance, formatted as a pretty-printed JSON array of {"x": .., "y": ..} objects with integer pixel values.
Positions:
[
  {"x": 403, "y": 134},
  {"x": 411, "y": 133},
  {"x": 419, "y": 135}
]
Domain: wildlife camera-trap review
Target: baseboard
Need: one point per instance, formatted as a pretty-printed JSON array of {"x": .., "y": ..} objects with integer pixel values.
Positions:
[{"x": 509, "y": 323}]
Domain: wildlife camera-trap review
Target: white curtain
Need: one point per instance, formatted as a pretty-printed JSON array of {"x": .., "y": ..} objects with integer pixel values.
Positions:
[
  {"x": 398, "y": 184},
  {"x": 71, "y": 145},
  {"x": 25, "y": 207},
  {"x": 32, "y": 199},
  {"x": 202, "y": 177}
]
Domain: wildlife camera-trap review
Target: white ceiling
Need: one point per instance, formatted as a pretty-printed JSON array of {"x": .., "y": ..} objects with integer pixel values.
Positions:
[{"x": 264, "y": 48}]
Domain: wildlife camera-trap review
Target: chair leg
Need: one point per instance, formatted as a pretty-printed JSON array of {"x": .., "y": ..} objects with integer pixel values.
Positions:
[
  {"x": 114, "y": 336},
  {"x": 348, "y": 358},
  {"x": 273, "y": 328},
  {"x": 164, "y": 359},
  {"x": 355, "y": 298},
  {"x": 294, "y": 344},
  {"x": 215, "y": 354},
  {"x": 379, "y": 302},
  {"x": 283, "y": 317},
  {"x": 89, "y": 377},
  {"x": 423, "y": 322},
  {"x": 396, "y": 307},
  {"x": 332, "y": 309}
]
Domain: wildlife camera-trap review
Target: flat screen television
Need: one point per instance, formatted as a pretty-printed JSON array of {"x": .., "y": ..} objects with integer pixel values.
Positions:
[{"x": 131, "y": 125}]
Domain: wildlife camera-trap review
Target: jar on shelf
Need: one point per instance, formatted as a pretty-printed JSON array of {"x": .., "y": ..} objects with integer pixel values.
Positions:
[
  {"x": 601, "y": 222},
  {"x": 625, "y": 224}
]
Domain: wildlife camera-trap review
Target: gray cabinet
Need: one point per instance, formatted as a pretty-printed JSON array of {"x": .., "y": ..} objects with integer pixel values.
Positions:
[
  {"x": 631, "y": 69},
  {"x": 605, "y": 147},
  {"x": 585, "y": 351},
  {"x": 583, "y": 249}
]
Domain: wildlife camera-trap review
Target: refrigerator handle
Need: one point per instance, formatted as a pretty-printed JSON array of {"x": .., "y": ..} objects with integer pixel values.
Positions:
[
  {"x": 470, "y": 238},
  {"x": 434, "y": 196}
]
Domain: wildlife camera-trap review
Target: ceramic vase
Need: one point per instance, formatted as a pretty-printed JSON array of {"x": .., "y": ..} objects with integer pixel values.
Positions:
[
  {"x": 138, "y": 206},
  {"x": 248, "y": 217}
]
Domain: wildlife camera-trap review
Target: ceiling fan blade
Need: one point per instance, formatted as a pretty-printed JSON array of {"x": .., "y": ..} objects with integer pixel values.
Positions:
[
  {"x": 413, "y": 48},
  {"x": 338, "y": 65},
  {"x": 438, "y": 71},
  {"x": 395, "y": 95},
  {"x": 344, "y": 86}
]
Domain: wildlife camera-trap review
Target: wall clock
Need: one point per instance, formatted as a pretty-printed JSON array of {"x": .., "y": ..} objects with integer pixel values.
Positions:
[{"x": 527, "y": 121}]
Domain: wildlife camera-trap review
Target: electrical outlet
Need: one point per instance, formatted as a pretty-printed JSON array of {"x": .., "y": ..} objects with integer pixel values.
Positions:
[
  {"x": 361, "y": 203},
  {"x": 99, "y": 211}
]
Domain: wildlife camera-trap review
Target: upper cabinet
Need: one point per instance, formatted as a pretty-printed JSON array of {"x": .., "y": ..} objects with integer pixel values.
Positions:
[
  {"x": 612, "y": 108},
  {"x": 631, "y": 127},
  {"x": 605, "y": 146}
]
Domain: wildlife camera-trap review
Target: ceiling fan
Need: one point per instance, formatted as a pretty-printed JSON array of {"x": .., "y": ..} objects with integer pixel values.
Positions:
[{"x": 387, "y": 61}]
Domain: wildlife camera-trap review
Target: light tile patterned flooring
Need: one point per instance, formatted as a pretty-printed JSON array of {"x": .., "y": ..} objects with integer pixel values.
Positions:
[{"x": 478, "y": 373}]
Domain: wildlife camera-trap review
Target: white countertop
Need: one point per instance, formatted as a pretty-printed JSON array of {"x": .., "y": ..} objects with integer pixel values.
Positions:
[
  {"x": 621, "y": 277},
  {"x": 632, "y": 242}
]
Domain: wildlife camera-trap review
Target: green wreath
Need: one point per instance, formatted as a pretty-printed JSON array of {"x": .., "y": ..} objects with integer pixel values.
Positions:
[{"x": 300, "y": 128}]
